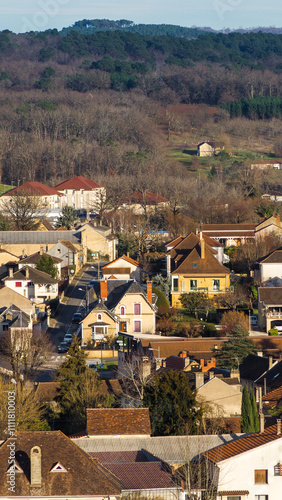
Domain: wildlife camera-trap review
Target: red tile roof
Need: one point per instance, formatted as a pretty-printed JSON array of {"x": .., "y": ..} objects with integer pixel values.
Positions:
[
  {"x": 142, "y": 476},
  {"x": 83, "y": 477},
  {"x": 122, "y": 457},
  {"x": 118, "y": 421},
  {"x": 77, "y": 183},
  {"x": 124, "y": 257},
  {"x": 150, "y": 198},
  {"x": 194, "y": 264},
  {"x": 272, "y": 399},
  {"x": 243, "y": 444},
  {"x": 33, "y": 189}
]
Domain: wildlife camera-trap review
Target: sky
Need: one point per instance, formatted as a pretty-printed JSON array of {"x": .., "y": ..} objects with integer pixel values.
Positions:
[{"x": 20, "y": 16}]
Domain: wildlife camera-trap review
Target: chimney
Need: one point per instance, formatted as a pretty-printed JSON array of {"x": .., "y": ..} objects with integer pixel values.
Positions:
[
  {"x": 35, "y": 467},
  {"x": 199, "y": 379},
  {"x": 270, "y": 362},
  {"x": 103, "y": 290},
  {"x": 261, "y": 422},
  {"x": 150, "y": 291},
  {"x": 278, "y": 426},
  {"x": 11, "y": 272},
  {"x": 202, "y": 243},
  {"x": 186, "y": 361},
  {"x": 26, "y": 272}
]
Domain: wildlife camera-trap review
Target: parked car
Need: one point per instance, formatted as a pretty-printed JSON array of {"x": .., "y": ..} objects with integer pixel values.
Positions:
[
  {"x": 63, "y": 347},
  {"x": 254, "y": 320},
  {"x": 77, "y": 317},
  {"x": 68, "y": 338}
]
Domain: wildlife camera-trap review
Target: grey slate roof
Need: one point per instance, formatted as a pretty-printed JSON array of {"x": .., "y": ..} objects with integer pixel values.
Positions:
[
  {"x": 171, "y": 449},
  {"x": 38, "y": 277},
  {"x": 44, "y": 237},
  {"x": 117, "y": 289},
  {"x": 35, "y": 258},
  {"x": 19, "y": 319}
]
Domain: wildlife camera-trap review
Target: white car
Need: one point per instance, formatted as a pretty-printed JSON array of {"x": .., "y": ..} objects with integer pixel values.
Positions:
[{"x": 68, "y": 338}]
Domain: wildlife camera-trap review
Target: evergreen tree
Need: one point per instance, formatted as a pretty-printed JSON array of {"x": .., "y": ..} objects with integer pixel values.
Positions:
[
  {"x": 79, "y": 388},
  {"x": 172, "y": 405},
  {"x": 68, "y": 217},
  {"x": 46, "y": 264},
  {"x": 255, "y": 412},
  {"x": 247, "y": 422},
  {"x": 234, "y": 350}
]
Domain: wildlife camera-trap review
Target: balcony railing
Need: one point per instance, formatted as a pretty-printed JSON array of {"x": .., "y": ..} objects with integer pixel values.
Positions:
[{"x": 205, "y": 290}]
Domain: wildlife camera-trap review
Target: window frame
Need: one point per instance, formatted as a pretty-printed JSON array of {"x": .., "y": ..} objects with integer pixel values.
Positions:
[
  {"x": 135, "y": 322},
  {"x": 137, "y": 305},
  {"x": 258, "y": 473},
  {"x": 193, "y": 288}
]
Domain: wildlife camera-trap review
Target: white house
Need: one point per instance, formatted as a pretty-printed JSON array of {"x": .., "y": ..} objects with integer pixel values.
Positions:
[
  {"x": 248, "y": 468},
  {"x": 122, "y": 268},
  {"x": 33, "y": 284},
  {"x": 82, "y": 193},
  {"x": 270, "y": 268}
]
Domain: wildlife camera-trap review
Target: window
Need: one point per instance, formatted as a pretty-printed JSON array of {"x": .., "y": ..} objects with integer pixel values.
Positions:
[
  {"x": 234, "y": 498},
  {"x": 99, "y": 317},
  {"x": 122, "y": 311},
  {"x": 175, "y": 284},
  {"x": 261, "y": 476},
  {"x": 215, "y": 285},
  {"x": 261, "y": 497},
  {"x": 137, "y": 309},
  {"x": 193, "y": 284},
  {"x": 18, "y": 284},
  {"x": 137, "y": 326},
  {"x": 194, "y": 264},
  {"x": 123, "y": 326}
]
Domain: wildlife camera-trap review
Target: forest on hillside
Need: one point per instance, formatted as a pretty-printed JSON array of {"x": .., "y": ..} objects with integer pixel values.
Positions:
[{"x": 111, "y": 105}]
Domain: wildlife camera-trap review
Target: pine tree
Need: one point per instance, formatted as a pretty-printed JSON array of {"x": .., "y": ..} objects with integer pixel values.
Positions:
[
  {"x": 47, "y": 265},
  {"x": 79, "y": 388},
  {"x": 172, "y": 405},
  {"x": 247, "y": 423},
  {"x": 255, "y": 412}
]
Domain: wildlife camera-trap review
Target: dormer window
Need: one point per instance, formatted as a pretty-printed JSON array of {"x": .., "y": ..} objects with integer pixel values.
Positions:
[
  {"x": 14, "y": 467},
  {"x": 58, "y": 468}
]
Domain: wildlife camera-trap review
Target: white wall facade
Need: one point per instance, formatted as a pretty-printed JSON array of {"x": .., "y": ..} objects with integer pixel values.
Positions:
[{"x": 238, "y": 473}]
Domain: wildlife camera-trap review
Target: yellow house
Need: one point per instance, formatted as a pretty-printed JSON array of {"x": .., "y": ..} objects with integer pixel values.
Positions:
[
  {"x": 100, "y": 324},
  {"x": 197, "y": 270},
  {"x": 99, "y": 240},
  {"x": 122, "y": 306}
]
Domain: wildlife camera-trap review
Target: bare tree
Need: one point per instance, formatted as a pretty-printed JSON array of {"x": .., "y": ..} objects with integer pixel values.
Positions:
[
  {"x": 24, "y": 210},
  {"x": 26, "y": 351},
  {"x": 29, "y": 413}
]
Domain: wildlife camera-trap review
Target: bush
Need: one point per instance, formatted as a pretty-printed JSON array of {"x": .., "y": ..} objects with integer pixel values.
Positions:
[
  {"x": 162, "y": 302},
  {"x": 273, "y": 331},
  {"x": 210, "y": 330}
]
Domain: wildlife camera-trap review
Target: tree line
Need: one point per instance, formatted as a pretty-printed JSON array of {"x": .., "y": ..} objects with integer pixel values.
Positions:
[{"x": 256, "y": 108}]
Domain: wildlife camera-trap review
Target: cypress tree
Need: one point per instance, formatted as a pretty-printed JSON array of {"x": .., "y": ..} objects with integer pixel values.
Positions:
[
  {"x": 247, "y": 423},
  {"x": 255, "y": 412}
]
